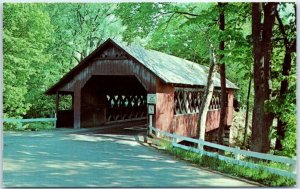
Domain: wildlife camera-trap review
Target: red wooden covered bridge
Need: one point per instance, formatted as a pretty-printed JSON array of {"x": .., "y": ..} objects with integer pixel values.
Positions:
[{"x": 112, "y": 84}]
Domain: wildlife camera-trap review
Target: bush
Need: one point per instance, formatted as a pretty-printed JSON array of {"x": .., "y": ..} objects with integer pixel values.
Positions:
[{"x": 37, "y": 126}]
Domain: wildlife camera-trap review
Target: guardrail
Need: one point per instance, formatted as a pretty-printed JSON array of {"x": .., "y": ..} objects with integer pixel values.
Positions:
[
  {"x": 21, "y": 121},
  {"x": 237, "y": 154}
]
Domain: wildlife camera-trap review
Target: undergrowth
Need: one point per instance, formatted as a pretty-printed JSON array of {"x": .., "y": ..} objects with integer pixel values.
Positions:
[
  {"x": 28, "y": 126},
  {"x": 258, "y": 175}
]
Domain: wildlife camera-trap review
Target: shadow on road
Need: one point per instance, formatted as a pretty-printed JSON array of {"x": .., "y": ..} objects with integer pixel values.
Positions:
[{"x": 96, "y": 158}]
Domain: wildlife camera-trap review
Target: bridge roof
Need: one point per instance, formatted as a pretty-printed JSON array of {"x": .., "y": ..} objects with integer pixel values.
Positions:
[{"x": 170, "y": 69}]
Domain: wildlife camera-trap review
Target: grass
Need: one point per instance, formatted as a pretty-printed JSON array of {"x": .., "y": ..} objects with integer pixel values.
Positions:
[{"x": 258, "y": 175}]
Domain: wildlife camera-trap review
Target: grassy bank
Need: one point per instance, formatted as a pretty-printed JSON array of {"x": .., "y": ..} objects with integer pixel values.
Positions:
[{"x": 257, "y": 175}]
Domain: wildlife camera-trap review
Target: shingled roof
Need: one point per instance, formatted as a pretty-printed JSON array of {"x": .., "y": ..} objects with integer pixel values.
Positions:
[{"x": 170, "y": 69}]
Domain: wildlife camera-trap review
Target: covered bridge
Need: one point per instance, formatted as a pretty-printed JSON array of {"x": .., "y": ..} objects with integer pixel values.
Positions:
[{"x": 112, "y": 83}]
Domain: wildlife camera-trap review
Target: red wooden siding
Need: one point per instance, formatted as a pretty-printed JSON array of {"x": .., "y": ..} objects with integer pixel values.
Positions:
[
  {"x": 230, "y": 107},
  {"x": 186, "y": 124},
  {"x": 164, "y": 106},
  {"x": 212, "y": 120}
]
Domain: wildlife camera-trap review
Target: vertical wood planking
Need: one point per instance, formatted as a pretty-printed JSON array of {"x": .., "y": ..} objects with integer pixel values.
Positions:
[
  {"x": 102, "y": 67},
  {"x": 57, "y": 102},
  {"x": 77, "y": 104}
]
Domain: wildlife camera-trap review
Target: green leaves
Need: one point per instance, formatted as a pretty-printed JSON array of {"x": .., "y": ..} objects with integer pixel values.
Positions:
[{"x": 27, "y": 31}]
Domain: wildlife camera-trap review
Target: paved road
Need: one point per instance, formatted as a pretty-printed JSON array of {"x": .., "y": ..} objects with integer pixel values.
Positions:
[{"x": 64, "y": 158}]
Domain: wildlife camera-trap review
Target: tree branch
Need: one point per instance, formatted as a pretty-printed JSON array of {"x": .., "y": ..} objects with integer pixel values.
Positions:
[
  {"x": 281, "y": 28},
  {"x": 168, "y": 21},
  {"x": 186, "y": 13}
]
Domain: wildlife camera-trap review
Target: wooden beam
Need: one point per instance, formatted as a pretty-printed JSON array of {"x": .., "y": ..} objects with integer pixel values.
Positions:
[
  {"x": 72, "y": 101},
  {"x": 77, "y": 105},
  {"x": 57, "y": 107}
]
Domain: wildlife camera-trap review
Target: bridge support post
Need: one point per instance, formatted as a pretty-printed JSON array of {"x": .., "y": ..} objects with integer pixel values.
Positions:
[
  {"x": 56, "y": 108},
  {"x": 150, "y": 124},
  {"x": 77, "y": 105}
]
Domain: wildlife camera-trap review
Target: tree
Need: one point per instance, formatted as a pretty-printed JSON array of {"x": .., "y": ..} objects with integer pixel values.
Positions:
[
  {"x": 27, "y": 33},
  {"x": 224, "y": 97},
  {"x": 262, "y": 47},
  {"x": 247, "y": 113},
  {"x": 82, "y": 27},
  {"x": 290, "y": 47},
  {"x": 205, "y": 101}
]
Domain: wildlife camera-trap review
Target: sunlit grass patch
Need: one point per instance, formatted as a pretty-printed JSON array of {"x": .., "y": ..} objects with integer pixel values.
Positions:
[{"x": 258, "y": 175}]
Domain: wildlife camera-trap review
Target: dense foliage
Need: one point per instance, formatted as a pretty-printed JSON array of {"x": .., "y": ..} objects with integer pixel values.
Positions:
[
  {"x": 42, "y": 42},
  {"x": 27, "y": 35}
]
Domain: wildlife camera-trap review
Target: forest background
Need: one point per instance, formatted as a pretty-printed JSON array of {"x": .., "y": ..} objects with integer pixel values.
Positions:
[{"x": 42, "y": 42}]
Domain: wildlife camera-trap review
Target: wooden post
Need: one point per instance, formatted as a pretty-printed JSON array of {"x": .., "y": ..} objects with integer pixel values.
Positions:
[
  {"x": 72, "y": 101},
  {"x": 20, "y": 125},
  {"x": 158, "y": 134},
  {"x": 150, "y": 124},
  {"x": 56, "y": 108},
  {"x": 294, "y": 166},
  {"x": 236, "y": 153},
  {"x": 77, "y": 105},
  {"x": 55, "y": 116},
  {"x": 200, "y": 145},
  {"x": 174, "y": 140}
]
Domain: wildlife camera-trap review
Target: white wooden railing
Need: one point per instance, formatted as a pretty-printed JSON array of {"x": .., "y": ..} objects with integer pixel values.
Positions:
[
  {"x": 291, "y": 162},
  {"x": 21, "y": 121}
]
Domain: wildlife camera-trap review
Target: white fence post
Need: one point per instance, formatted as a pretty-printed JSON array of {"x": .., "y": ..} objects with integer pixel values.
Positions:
[
  {"x": 173, "y": 140},
  {"x": 20, "y": 125},
  {"x": 236, "y": 153},
  {"x": 150, "y": 124},
  {"x": 200, "y": 146},
  {"x": 294, "y": 166},
  {"x": 158, "y": 134}
]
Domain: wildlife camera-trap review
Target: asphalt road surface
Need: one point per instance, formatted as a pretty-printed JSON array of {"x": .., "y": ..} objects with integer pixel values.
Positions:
[{"x": 79, "y": 158}]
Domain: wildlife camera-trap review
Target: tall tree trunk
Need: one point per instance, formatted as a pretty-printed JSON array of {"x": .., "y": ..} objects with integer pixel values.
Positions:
[
  {"x": 247, "y": 112},
  {"x": 205, "y": 102},
  {"x": 224, "y": 97},
  {"x": 286, "y": 67},
  {"x": 262, "y": 33},
  {"x": 281, "y": 125}
]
